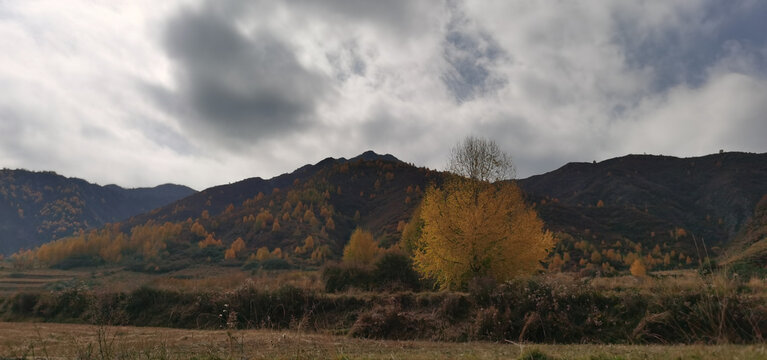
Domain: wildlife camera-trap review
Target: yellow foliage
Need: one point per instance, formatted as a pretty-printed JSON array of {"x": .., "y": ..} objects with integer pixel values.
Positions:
[
  {"x": 596, "y": 258},
  {"x": 638, "y": 269},
  {"x": 237, "y": 247},
  {"x": 263, "y": 253},
  {"x": 308, "y": 243},
  {"x": 264, "y": 217},
  {"x": 198, "y": 229},
  {"x": 209, "y": 241},
  {"x": 276, "y": 225},
  {"x": 361, "y": 249},
  {"x": 474, "y": 228},
  {"x": 321, "y": 253}
]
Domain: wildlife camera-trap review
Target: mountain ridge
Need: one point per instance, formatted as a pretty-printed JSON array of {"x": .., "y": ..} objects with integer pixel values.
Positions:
[{"x": 40, "y": 206}]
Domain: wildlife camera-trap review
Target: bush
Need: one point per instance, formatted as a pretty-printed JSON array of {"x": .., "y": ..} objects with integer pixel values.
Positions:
[
  {"x": 251, "y": 265},
  {"x": 390, "y": 322},
  {"x": 76, "y": 261},
  {"x": 394, "y": 270},
  {"x": 276, "y": 264},
  {"x": 339, "y": 277}
]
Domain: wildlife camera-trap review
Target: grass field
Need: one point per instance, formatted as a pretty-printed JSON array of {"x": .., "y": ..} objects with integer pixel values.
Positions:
[
  {"x": 116, "y": 279},
  {"x": 47, "y": 340}
]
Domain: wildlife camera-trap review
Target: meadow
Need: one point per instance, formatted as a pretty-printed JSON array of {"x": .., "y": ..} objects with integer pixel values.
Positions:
[
  {"x": 214, "y": 312},
  {"x": 77, "y": 341}
]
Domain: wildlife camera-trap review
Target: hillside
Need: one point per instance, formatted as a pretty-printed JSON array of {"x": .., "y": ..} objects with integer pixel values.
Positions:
[
  {"x": 750, "y": 244},
  {"x": 651, "y": 200},
  {"x": 325, "y": 201},
  {"x": 37, "y": 207},
  {"x": 667, "y": 211}
]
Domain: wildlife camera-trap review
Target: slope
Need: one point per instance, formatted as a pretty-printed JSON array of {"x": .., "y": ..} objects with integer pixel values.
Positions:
[
  {"x": 634, "y": 203},
  {"x": 37, "y": 207}
]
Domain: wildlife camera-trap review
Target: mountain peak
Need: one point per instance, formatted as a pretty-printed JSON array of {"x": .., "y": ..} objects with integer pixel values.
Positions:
[{"x": 371, "y": 155}]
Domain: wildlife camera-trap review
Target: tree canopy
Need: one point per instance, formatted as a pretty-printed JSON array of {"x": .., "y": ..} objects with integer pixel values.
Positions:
[{"x": 475, "y": 228}]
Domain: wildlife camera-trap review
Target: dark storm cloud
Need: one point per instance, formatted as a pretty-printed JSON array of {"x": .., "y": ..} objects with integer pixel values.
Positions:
[
  {"x": 682, "y": 51},
  {"x": 471, "y": 54},
  {"x": 234, "y": 84}
]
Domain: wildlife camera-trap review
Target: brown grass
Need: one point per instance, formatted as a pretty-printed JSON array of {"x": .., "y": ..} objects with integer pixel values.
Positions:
[
  {"x": 115, "y": 279},
  {"x": 36, "y": 340}
]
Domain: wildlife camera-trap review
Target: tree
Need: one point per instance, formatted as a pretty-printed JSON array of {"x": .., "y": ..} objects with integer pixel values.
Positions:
[
  {"x": 476, "y": 226},
  {"x": 263, "y": 253},
  {"x": 480, "y": 159},
  {"x": 361, "y": 249},
  {"x": 638, "y": 269}
]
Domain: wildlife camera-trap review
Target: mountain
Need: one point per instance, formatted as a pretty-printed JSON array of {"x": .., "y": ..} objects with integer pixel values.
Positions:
[
  {"x": 687, "y": 205},
  {"x": 326, "y": 201},
  {"x": 669, "y": 212},
  {"x": 37, "y": 207},
  {"x": 750, "y": 244}
]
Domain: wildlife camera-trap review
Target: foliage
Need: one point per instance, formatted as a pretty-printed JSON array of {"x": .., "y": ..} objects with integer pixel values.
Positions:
[
  {"x": 479, "y": 230},
  {"x": 473, "y": 227},
  {"x": 275, "y": 264},
  {"x": 638, "y": 269},
  {"x": 392, "y": 271},
  {"x": 361, "y": 249}
]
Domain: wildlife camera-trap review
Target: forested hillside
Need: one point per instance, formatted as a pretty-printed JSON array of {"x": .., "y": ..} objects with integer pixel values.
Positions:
[
  {"x": 662, "y": 208},
  {"x": 668, "y": 212},
  {"x": 37, "y": 207}
]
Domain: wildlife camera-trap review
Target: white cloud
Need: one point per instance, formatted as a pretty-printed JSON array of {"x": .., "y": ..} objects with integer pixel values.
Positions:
[{"x": 551, "y": 82}]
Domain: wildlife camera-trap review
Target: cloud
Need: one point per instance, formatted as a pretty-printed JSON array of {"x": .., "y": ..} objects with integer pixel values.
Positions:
[
  {"x": 237, "y": 86},
  {"x": 680, "y": 41},
  {"x": 205, "y": 92},
  {"x": 472, "y": 55}
]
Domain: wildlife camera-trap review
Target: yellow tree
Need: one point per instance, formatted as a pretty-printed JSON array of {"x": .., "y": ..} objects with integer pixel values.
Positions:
[
  {"x": 477, "y": 225},
  {"x": 361, "y": 249},
  {"x": 263, "y": 253},
  {"x": 235, "y": 249}
]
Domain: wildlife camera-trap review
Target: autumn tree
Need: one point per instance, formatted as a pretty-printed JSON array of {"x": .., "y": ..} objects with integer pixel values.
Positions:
[
  {"x": 263, "y": 253},
  {"x": 235, "y": 249},
  {"x": 361, "y": 249},
  {"x": 476, "y": 225},
  {"x": 638, "y": 269}
]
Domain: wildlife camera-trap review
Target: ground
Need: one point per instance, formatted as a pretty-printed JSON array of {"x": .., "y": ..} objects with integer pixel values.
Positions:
[{"x": 48, "y": 340}]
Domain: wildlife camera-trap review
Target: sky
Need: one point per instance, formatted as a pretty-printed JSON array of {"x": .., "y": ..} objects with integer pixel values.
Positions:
[{"x": 202, "y": 93}]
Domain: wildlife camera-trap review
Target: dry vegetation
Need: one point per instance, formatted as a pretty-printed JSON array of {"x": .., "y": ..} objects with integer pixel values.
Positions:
[
  {"x": 115, "y": 279},
  {"x": 47, "y": 341}
]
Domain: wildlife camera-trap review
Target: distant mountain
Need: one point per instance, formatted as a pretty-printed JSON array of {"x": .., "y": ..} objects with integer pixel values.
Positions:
[
  {"x": 653, "y": 200},
  {"x": 372, "y": 191},
  {"x": 37, "y": 207}
]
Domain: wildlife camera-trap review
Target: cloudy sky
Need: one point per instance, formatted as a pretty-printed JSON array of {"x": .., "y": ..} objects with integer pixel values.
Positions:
[{"x": 143, "y": 92}]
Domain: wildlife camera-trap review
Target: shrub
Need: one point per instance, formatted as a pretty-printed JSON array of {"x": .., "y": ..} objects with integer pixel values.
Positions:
[
  {"x": 76, "y": 261},
  {"x": 395, "y": 270},
  {"x": 340, "y": 277},
  {"x": 251, "y": 265},
  {"x": 391, "y": 322},
  {"x": 276, "y": 264}
]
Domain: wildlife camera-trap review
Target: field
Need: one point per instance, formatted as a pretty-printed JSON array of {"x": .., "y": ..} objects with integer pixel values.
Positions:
[
  {"x": 288, "y": 314},
  {"x": 115, "y": 279},
  {"x": 43, "y": 340}
]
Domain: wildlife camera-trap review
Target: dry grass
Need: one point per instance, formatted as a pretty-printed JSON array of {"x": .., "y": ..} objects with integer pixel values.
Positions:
[
  {"x": 36, "y": 340},
  {"x": 115, "y": 279}
]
